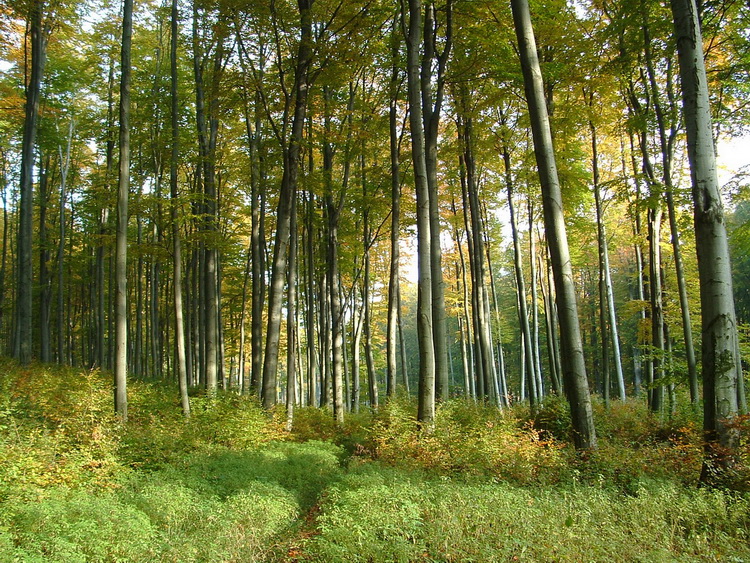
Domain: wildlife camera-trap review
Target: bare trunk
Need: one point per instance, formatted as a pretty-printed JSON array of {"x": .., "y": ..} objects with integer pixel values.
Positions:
[
  {"x": 180, "y": 345},
  {"x": 721, "y": 365},
  {"x": 287, "y": 197},
  {"x": 121, "y": 243},
  {"x": 573, "y": 366},
  {"x": 425, "y": 337},
  {"x": 23, "y": 348}
]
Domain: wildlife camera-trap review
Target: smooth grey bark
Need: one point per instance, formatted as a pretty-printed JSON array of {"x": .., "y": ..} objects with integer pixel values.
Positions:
[
  {"x": 22, "y": 348},
  {"x": 656, "y": 392},
  {"x": 479, "y": 380},
  {"x": 103, "y": 344},
  {"x": 431, "y": 113},
  {"x": 287, "y": 197},
  {"x": 310, "y": 287},
  {"x": 477, "y": 255},
  {"x": 393, "y": 272},
  {"x": 6, "y": 241},
  {"x": 291, "y": 323},
  {"x": 501, "y": 371},
  {"x": 207, "y": 122},
  {"x": 257, "y": 258},
  {"x": 523, "y": 315},
  {"x": 372, "y": 381},
  {"x": 667, "y": 141},
  {"x": 464, "y": 322},
  {"x": 334, "y": 206},
  {"x": 45, "y": 289},
  {"x": 179, "y": 329},
  {"x": 357, "y": 321},
  {"x": 425, "y": 336},
  {"x": 550, "y": 322},
  {"x": 121, "y": 240},
  {"x": 720, "y": 362},
  {"x": 534, "y": 304},
  {"x": 606, "y": 298},
  {"x": 571, "y": 345}
]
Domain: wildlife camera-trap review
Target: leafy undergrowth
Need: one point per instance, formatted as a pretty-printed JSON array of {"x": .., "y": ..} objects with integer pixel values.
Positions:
[{"x": 232, "y": 485}]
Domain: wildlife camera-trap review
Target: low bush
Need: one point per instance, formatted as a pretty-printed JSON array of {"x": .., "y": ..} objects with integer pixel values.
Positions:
[
  {"x": 388, "y": 515},
  {"x": 472, "y": 439}
]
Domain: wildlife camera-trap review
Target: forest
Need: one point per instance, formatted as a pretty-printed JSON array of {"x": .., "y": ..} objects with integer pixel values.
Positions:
[{"x": 335, "y": 280}]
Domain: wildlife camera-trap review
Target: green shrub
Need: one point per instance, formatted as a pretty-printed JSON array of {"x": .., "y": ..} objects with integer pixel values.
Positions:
[
  {"x": 303, "y": 469},
  {"x": 195, "y": 525},
  {"x": 79, "y": 526},
  {"x": 469, "y": 438},
  {"x": 381, "y": 514}
]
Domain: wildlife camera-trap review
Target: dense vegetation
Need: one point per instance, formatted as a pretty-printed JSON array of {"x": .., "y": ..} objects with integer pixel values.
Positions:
[
  {"x": 233, "y": 485},
  {"x": 382, "y": 281}
]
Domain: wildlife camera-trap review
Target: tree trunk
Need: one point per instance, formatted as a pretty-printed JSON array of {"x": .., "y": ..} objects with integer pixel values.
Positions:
[
  {"x": 179, "y": 331},
  {"x": 121, "y": 242},
  {"x": 523, "y": 316},
  {"x": 22, "y": 348},
  {"x": 606, "y": 298},
  {"x": 45, "y": 289},
  {"x": 666, "y": 141},
  {"x": 291, "y": 324},
  {"x": 287, "y": 197},
  {"x": 431, "y": 112},
  {"x": 721, "y": 365},
  {"x": 574, "y": 367},
  {"x": 393, "y": 278},
  {"x": 425, "y": 338}
]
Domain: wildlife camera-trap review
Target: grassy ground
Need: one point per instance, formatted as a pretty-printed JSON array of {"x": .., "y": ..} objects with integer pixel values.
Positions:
[{"x": 232, "y": 485}]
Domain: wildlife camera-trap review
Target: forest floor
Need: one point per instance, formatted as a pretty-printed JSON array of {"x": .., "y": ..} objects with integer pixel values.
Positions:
[{"x": 231, "y": 484}]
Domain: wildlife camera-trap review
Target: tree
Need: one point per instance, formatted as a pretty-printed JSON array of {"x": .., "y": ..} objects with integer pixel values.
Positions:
[
  {"x": 38, "y": 32},
  {"x": 720, "y": 362},
  {"x": 571, "y": 346},
  {"x": 121, "y": 311},
  {"x": 426, "y": 393},
  {"x": 287, "y": 197},
  {"x": 181, "y": 351}
]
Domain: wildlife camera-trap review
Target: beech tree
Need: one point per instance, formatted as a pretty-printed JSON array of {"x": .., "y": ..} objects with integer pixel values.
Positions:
[
  {"x": 721, "y": 365},
  {"x": 121, "y": 312},
  {"x": 573, "y": 365}
]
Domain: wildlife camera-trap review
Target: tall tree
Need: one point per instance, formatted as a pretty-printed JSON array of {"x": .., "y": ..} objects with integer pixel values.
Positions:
[
  {"x": 287, "y": 196},
  {"x": 571, "y": 345},
  {"x": 38, "y": 33},
  {"x": 121, "y": 243},
  {"x": 425, "y": 337},
  {"x": 179, "y": 329},
  {"x": 720, "y": 361}
]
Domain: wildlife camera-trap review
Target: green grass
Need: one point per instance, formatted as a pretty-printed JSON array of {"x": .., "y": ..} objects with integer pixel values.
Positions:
[{"x": 232, "y": 485}]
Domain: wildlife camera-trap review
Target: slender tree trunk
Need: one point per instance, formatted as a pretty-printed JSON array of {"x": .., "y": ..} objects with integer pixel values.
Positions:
[
  {"x": 574, "y": 366},
  {"x": 534, "y": 304},
  {"x": 666, "y": 141},
  {"x": 431, "y": 112},
  {"x": 477, "y": 255},
  {"x": 656, "y": 394},
  {"x": 372, "y": 381},
  {"x": 23, "y": 348},
  {"x": 606, "y": 297},
  {"x": 121, "y": 243},
  {"x": 45, "y": 288},
  {"x": 721, "y": 365},
  {"x": 523, "y": 316},
  {"x": 179, "y": 330},
  {"x": 393, "y": 278},
  {"x": 291, "y": 324},
  {"x": 310, "y": 287},
  {"x": 425, "y": 337},
  {"x": 287, "y": 197}
]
